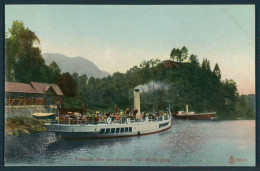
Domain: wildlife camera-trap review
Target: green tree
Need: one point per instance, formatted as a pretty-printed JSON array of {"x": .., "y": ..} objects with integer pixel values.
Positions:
[
  {"x": 24, "y": 62},
  {"x": 75, "y": 76},
  {"x": 184, "y": 54},
  {"x": 216, "y": 71},
  {"x": 175, "y": 54},
  {"x": 55, "y": 72},
  {"x": 206, "y": 65},
  {"x": 83, "y": 80},
  {"x": 68, "y": 85},
  {"x": 178, "y": 55},
  {"x": 193, "y": 59}
]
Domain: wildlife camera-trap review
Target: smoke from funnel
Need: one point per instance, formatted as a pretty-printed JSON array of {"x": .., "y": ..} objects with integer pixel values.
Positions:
[
  {"x": 155, "y": 95},
  {"x": 151, "y": 86}
]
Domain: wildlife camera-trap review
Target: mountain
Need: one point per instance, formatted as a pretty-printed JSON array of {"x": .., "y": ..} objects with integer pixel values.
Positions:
[{"x": 75, "y": 64}]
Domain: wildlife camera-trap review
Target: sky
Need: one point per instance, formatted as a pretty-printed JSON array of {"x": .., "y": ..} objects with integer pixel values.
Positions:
[{"x": 117, "y": 37}]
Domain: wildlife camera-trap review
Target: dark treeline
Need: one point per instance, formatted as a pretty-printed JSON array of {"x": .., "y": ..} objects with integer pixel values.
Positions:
[
  {"x": 180, "y": 81},
  {"x": 188, "y": 83}
]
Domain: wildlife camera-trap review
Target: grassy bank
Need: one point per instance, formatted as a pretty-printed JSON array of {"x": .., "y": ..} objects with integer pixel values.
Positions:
[{"x": 23, "y": 125}]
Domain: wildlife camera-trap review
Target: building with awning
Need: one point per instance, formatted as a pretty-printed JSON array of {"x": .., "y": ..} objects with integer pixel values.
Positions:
[
  {"x": 33, "y": 93},
  {"x": 51, "y": 92}
]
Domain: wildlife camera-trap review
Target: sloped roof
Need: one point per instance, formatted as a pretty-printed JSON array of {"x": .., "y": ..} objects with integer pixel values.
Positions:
[
  {"x": 18, "y": 87},
  {"x": 41, "y": 88},
  {"x": 57, "y": 89},
  {"x": 48, "y": 89}
]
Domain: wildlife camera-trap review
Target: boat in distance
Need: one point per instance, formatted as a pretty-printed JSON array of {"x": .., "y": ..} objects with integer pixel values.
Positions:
[
  {"x": 111, "y": 126},
  {"x": 194, "y": 116}
]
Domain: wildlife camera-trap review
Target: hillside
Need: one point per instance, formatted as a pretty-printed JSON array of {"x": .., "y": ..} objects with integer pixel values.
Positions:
[
  {"x": 250, "y": 98},
  {"x": 75, "y": 64}
]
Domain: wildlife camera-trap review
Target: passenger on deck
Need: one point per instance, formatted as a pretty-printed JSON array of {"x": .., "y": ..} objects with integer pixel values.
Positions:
[
  {"x": 159, "y": 115},
  {"x": 112, "y": 117},
  {"x": 89, "y": 118},
  {"x": 135, "y": 111},
  {"x": 97, "y": 117},
  {"x": 117, "y": 117},
  {"x": 165, "y": 116},
  {"x": 147, "y": 115},
  {"x": 104, "y": 117},
  {"x": 92, "y": 118},
  {"x": 142, "y": 116},
  {"x": 121, "y": 116},
  {"x": 127, "y": 111},
  {"x": 153, "y": 116}
]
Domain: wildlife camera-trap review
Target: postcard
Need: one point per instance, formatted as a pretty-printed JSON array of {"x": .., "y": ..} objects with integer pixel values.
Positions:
[{"x": 130, "y": 85}]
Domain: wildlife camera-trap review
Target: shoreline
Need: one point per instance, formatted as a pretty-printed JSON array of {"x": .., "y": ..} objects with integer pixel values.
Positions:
[{"x": 23, "y": 126}]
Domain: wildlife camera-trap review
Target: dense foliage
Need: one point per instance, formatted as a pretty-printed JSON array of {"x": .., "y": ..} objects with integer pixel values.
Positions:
[
  {"x": 179, "y": 82},
  {"x": 23, "y": 125},
  {"x": 67, "y": 85},
  {"x": 24, "y": 62}
]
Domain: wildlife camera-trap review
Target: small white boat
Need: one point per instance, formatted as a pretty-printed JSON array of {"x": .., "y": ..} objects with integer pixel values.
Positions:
[{"x": 44, "y": 115}]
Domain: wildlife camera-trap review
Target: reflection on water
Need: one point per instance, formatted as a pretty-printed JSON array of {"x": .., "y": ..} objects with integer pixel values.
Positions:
[
  {"x": 88, "y": 144},
  {"x": 187, "y": 143}
]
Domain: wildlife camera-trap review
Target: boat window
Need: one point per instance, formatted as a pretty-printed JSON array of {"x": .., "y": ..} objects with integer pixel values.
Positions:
[
  {"x": 107, "y": 130},
  {"x": 122, "y": 129},
  {"x": 126, "y": 129},
  {"x": 130, "y": 129},
  {"x": 102, "y": 131},
  {"x": 113, "y": 130},
  {"x": 163, "y": 125},
  {"x": 117, "y": 130}
]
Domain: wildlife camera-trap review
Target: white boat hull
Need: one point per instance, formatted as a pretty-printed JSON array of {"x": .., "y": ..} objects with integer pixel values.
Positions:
[{"x": 108, "y": 130}]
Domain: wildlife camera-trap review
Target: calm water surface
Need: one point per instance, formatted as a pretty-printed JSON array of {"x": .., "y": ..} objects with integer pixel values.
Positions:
[{"x": 187, "y": 143}]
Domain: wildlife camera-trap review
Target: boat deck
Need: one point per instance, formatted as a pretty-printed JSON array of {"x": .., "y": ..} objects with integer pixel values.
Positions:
[
  {"x": 98, "y": 121},
  {"x": 112, "y": 129}
]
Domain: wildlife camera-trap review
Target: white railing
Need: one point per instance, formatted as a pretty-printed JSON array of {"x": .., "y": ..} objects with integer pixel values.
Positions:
[{"x": 93, "y": 121}]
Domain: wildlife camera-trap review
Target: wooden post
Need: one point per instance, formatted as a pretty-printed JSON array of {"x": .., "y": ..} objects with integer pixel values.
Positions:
[
  {"x": 18, "y": 99},
  {"x": 12, "y": 102},
  {"x": 55, "y": 99},
  {"x": 24, "y": 101}
]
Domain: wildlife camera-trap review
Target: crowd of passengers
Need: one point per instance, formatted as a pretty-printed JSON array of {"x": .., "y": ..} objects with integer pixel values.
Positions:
[{"x": 119, "y": 117}]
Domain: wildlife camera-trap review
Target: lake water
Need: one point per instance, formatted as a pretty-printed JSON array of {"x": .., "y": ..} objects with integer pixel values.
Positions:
[{"x": 187, "y": 143}]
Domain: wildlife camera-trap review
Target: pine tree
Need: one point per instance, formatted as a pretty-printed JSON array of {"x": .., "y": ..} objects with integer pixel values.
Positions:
[
  {"x": 184, "y": 54},
  {"x": 217, "y": 71}
]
